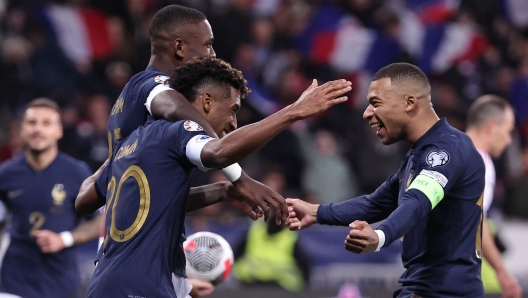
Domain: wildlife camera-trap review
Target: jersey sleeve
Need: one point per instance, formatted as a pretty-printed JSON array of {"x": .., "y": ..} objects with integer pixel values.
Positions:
[
  {"x": 101, "y": 183},
  {"x": 370, "y": 208},
  {"x": 179, "y": 135},
  {"x": 438, "y": 170}
]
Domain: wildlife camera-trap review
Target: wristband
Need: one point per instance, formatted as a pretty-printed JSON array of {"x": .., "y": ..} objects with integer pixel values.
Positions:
[
  {"x": 381, "y": 239},
  {"x": 67, "y": 238},
  {"x": 232, "y": 172}
]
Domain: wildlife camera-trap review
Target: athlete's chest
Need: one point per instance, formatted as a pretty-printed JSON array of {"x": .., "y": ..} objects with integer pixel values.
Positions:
[{"x": 52, "y": 191}]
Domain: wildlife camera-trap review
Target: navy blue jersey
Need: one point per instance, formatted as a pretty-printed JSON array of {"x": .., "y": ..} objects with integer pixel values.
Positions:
[
  {"x": 146, "y": 189},
  {"x": 434, "y": 203},
  {"x": 40, "y": 200},
  {"x": 129, "y": 111}
]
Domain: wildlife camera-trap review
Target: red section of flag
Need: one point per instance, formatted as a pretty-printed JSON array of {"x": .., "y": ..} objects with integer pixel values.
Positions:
[
  {"x": 96, "y": 24},
  {"x": 436, "y": 13},
  {"x": 478, "y": 44},
  {"x": 322, "y": 46}
]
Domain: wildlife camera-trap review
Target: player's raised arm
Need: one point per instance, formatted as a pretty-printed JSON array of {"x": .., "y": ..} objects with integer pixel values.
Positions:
[
  {"x": 173, "y": 106},
  {"x": 242, "y": 142}
]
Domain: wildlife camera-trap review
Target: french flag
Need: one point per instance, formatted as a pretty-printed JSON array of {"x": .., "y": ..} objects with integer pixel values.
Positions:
[
  {"x": 433, "y": 11},
  {"x": 439, "y": 45},
  {"x": 336, "y": 39},
  {"x": 81, "y": 32}
]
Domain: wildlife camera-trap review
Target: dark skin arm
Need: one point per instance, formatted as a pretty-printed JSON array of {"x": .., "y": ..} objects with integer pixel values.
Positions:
[
  {"x": 240, "y": 143},
  {"x": 88, "y": 201},
  {"x": 173, "y": 106}
]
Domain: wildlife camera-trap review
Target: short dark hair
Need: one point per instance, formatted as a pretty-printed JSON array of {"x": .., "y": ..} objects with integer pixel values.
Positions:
[
  {"x": 43, "y": 102},
  {"x": 401, "y": 71},
  {"x": 174, "y": 16},
  {"x": 485, "y": 108},
  {"x": 193, "y": 75}
]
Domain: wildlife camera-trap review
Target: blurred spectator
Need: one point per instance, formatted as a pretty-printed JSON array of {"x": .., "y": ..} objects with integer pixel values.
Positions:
[
  {"x": 13, "y": 145},
  {"x": 93, "y": 133},
  {"x": 327, "y": 174}
]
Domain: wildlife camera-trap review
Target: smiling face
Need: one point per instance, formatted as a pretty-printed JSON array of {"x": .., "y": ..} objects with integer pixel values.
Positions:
[
  {"x": 196, "y": 41},
  {"x": 41, "y": 129},
  {"x": 386, "y": 111},
  {"x": 219, "y": 109}
]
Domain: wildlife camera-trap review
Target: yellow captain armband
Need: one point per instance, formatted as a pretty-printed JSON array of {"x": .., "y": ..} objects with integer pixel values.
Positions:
[{"x": 430, "y": 187}]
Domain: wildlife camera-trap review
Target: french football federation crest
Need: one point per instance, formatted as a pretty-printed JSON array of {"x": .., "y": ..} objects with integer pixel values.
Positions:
[
  {"x": 58, "y": 194},
  {"x": 437, "y": 158}
]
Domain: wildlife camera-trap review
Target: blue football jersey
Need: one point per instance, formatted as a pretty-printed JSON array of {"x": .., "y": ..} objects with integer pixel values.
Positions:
[
  {"x": 434, "y": 203},
  {"x": 40, "y": 200},
  {"x": 146, "y": 187},
  {"x": 129, "y": 111}
]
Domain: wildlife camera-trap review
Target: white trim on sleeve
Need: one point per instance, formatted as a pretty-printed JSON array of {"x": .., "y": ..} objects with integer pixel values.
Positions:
[
  {"x": 194, "y": 149},
  {"x": 381, "y": 237},
  {"x": 155, "y": 91}
]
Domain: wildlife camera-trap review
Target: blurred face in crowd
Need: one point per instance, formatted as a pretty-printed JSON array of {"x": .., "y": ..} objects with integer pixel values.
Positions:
[
  {"x": 386, "y": 112},
  {"x": 41, "y": 129},
  {"x": 501, "y": 133},
  {"x": 220, "y": 110},
  {"x": 197, "y": 41}
]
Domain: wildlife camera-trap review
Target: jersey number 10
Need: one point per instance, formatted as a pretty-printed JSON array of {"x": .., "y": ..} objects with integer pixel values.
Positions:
[{"x": 144, "y": 204}]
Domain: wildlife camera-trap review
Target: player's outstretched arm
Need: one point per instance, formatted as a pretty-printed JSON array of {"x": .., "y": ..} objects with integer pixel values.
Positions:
[
  {"x": 301, "y": 214},
  {"x": 173, "y": 106},
  {"x": 242, "y": 142},
  {"x": 87, "y": 201},
  {"x": 509, "y": 285}
]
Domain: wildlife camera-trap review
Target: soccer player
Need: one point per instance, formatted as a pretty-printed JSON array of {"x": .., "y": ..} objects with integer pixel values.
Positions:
[
  {"x": 490, "y": 122},
  {"x": 178, "y": 34},
  {"x": 41, "y": 185},
  {"x": 433, "y": 203},
  {"x": 147, "y": 181}
]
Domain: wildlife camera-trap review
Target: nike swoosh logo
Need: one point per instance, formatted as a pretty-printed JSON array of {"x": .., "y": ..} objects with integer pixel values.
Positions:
[{"x": 15, "y": 193}]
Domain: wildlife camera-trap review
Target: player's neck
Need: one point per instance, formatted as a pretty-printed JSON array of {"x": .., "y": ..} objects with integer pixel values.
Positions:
[
  {"x": 163, "y": 63},
  {"x": 41, "y": 160},
  {"x": 421, "y": 126}
]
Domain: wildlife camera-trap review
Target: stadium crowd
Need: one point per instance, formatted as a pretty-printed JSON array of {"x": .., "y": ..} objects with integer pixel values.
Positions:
[{"x": 81, "y": 54}]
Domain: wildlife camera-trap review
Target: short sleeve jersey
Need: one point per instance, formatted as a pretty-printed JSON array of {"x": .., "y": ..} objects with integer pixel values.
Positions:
[
  {"x": 129, "y": 112},
  {"x": 40, "y": 200},
  {"x": 146, "y": 189}
]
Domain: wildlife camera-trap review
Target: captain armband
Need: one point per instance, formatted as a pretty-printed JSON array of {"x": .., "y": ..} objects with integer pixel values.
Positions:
[{"x": 430, "y": 187}]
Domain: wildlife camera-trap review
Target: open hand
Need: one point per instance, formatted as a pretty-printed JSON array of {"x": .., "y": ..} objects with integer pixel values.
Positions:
[
  {"x": 237, "y": 201},
  {"x": 258, "y": 194},
  {"x": 362, "y": 238},
  {"x": 317, "y": 99},
  {"x": 301, "y": 214}
]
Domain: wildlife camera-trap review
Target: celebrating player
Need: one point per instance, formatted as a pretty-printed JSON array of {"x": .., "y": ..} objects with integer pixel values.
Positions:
[
  {"x": 177, "y": 34},
  {"x": 152, "y": 169},
  {"x": 41, "y": 186},
  {"x": 433, "y": 203},
  {"x": 490, "y": 122}
]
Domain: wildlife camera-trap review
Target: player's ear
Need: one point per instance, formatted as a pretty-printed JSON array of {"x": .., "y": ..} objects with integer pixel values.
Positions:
[
  {"x": 179, "y": 48},
  {"x": 410, "y": 102},
  {"x": 207, "y": 102}
]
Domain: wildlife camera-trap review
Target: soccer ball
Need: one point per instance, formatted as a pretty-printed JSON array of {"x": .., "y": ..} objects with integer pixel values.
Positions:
[{"x": 209, "y": 257}]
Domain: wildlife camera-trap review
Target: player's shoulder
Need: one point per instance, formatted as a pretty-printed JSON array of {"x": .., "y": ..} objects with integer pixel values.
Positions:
[{"x": 150, "y": 75}]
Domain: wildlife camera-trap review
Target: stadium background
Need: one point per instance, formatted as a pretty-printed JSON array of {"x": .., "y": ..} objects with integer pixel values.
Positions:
[{"x": 82, "y": 52}]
